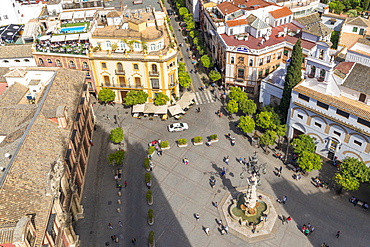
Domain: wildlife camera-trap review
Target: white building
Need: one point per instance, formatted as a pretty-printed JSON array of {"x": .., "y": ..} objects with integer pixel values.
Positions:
[
  {"x": 359, "y": 52},
  {"x": 17, "y": 12},
  {"x": 16, "y": 56}
]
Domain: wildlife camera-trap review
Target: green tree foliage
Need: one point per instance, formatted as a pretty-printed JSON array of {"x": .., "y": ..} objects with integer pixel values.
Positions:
[
  {"x": 352, "y": 173},
  {"x": 275, "y": 118},
  {"x": 334, "y": 39},
  {"x": 232, "y": 106},
  {"x": 303, "y": 143},
  {"x": 190, "y": 25},
  {"x": 352, "y": 13},
  {"x": 188, "y": 18},
  {"x": 264, "y": 120},
  {"x": 268, "y": 138},
  {"x": 116, "y": 158},
  {"x": 237, "y": 94},
  {"x": 336, "y": 6},
  {"x": 292, "y": 78},
  {"x": 161, "y": 99},
  {"x": 106, "y": 95},
  {"x": 246, "y": 124},
  {"x": 206, "y": 61},
  {"x": 135, "y": 97},
  {"x": 365, "y": 5},
  {"x": 194, "y": 34},
  {"x": 248, "y": 106},
  {"x": 214, "y": 75},
  {"x": 280, "y": 131},
  {"x": 201, "y": 50},
  {"x": 184, "y": 79},
  {"x": 309, "y": 161},
  {"x": 116, "y": 135},
  {"x": 183, "y": 11},
  {"x": 182, "y": 67}
]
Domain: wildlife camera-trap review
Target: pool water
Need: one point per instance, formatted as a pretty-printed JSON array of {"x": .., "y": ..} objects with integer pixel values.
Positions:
[{"x": 77, "y": 29}]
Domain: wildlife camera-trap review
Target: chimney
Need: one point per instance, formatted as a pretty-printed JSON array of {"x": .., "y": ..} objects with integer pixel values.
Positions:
[{"x": 61, "y": 114}]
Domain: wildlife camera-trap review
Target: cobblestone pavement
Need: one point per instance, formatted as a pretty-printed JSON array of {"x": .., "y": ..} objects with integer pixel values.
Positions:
[{"x": 181, "y": 190}]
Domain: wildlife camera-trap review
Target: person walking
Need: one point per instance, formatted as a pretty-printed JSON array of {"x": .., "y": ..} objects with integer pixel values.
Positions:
[
  {"x": 283, "y": 219},
  {"x": 151, "y": 166},
  {"x": 148, "y": 185},
  {"x": 125, "y": 183},
  {"x": 285, "y": 198},
  {"x": 120, "y": 224},
  {"x": 227, "y": 160},
  {"x": 226, "y": 228},
  {"x": 113, "y": 237},
  {"x": 110, "y": 226},
  {"x": 133, "y": 241},
  {"x": 311, "y": 230},
  {"x": 197, "y": 216},
  {"x": 206, "y": 230},
  {"x": 338, "y": 234},
  {"x": 215, "y": 204},
  {"x": 288, "y": 219}
]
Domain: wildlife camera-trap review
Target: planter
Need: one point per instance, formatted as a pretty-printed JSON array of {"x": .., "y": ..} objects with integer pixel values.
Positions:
[
  {"x": 215, "y": 140},
  {"x": 197, "y": 143},
  {"x": 150, "y": 201},
  {"x": 166, "y": 148},
  {"x": 151, "y": 221},
  {"x": 182, "y": 146}
]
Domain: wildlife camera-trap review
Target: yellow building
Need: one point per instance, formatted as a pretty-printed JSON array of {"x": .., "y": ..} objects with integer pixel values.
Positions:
[{"x": 134, "y": 52}]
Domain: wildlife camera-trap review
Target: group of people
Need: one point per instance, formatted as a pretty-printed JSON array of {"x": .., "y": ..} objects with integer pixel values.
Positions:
[
  {"x": 320, "y": 183},
  {"x": 307, "y": 229},
  {"x": 71, "y": 46},
  {"x": 157, "y": 145},
  {"x": 357, "y": 201}
]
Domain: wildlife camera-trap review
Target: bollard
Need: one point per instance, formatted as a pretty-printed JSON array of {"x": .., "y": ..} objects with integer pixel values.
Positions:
[
  {"x": 119, "y": 193},
  {"x": 118, "y": 210},
  {"x": 119, "y": 201}
]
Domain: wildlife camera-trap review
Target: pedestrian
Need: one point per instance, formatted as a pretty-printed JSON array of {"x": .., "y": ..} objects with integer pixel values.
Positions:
[
  {"x": 151, "y": 165},
  {"x": 186, "y": 161},
  {"x": 116, "y": 239},
  {"x": 206, "y": 229},
  {"x": 107, "y": 243},
  {"x": 280, "y": 169},
  {"x": 338, "y": 234},
  {"x": 265, "y": 217},
  {"x": 212, "y": 182},
  {"x": 227, "y": 160},
  {"x": 219, "y": 222},
  {"x": 125, "y": 183},
  {"x": 226, "y": 228},
  {"x": 120, "y": 224},
  {"x": 148, "y": 185},
  {"x": 197, "y": 216},
  {"x": 91, "y": 142},
  {"x": 209, "y": 143},
  {"x": 309, "y": 225},
  {"x": 285, "y": 198},
  {"x": 288, "y": 219},
  {"x": 311, "y": 230},
  {"x": 113, "y": 237},
  {"x": 306, "y": 232},
  {"x": 283, "y": 219},
  {"x": 304, "y": 227},
  {"x": 133, "y": 241},
  {"x": 215, "y": 204},
  {"x": 254, "y": 228},
  {"x": 110, "y": 226}
]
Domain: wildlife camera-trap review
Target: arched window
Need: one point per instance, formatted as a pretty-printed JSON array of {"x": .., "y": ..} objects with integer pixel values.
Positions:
[
  {"x": 5, "y": 61},
  {"x": 49, "y": 60},
  {"x": 85, "y": 65},
  {"x": 154, "y": 68},
  {"x": 152, "y": 47},
  {"x": 59, "y": 64},
  {"x": 159, "y": 45},
  {"x": 108, "y": 44},
  {"x": 72, "y": 64},
  {"x": 136, "y": 45},
  {"x": 17, "y": 61},
  {"x": 27, "y": 60},
  {"x": 41, "y": 62},
  {"x": 119, "y": 67},
  {"x": 122, "y": 45}
]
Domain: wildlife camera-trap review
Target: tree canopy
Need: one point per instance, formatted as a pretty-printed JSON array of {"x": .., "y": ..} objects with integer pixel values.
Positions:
[
  {"x": 292, "y": 78},
  {"x": 106, "y": 95},
  {"x": 116, "y": 158},
  {"x": 264, "y": 120},
  {"x": 237, "y": 94},
  {"x": 206, "y": 61},
  {"x": 161, "y": 99},
  {"x": 246, "y": 124},
  {"x": 248, "y": 106},
  {"x": 183, "y": 11},
  {"x": 116, "y": 135},
  {"x": 232, "y": 106},
  {"x": 352, "y": 173},
  {"x": 214, "y": 75},
  {"x": 135, "y": 97},
  {"x": 268, "y": 138},
  {"x": 184, "y": 79},
  {"x": 309, "y": 161},
  {"x": 303, "y": 143}
]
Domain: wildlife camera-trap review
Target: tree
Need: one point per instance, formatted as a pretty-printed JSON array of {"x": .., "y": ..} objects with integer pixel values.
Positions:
[
  {"x": 334, "y": 39},
  {"x": 303, "y": 143},
  {"x": 365, "y": 5},
  {"x": 161, "y": 99},
  {"x": 206, "y": 61},
  {"x": 248, "y": 106},
  {"x": 352, "y": 173},
  {"x": 336, "y": 6},
  {"x": 237, "y": 94},
  {"x": 184, "y": 79},
  {"x": 246, "y": 124},
  {"x": 116, "y": 158},
  {"x": 193, "y": 34},
  {"x": 190, "y": 25},
  {"x": 309, "y": 161},
  {"x": 280, "y": 131},
  {"x": 116, "y": 135},
  {"x": 268, "y": 138},
  {"x": 292, "y": 78},
  {"x": 183, "y": 11},
  {"x": 182, "y": 67},
  {"x": 135, "y": 97},
  {"x": 106, "y": 95},
  {"x": 232, "y": 106},
  {"x": 214, "y": 75},
  {"x": 264, "y": 120}
]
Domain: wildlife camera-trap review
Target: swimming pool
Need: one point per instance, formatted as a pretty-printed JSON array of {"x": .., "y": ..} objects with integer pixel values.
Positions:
[{"x": 77, "y": 29}]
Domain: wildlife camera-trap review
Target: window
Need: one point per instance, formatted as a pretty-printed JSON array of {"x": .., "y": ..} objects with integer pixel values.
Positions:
[
  {"x": 322, "y": 105},
  {"x": 304, "y": 97},
  {"x": 136, "y": 45},
  {"x": 318, "y": 124},
  {"x": 279, "y": 55},
  {"x": 286, "y": 53},
  {"x": 299, "y": 116},
  {"x": 267, "y": 71},
  {"x": 72, "y": 64},
  {"x": 336, "y": 133},
  {"x": 122, "y": 45},
  {"x": 231, "y": 31},
  {"x": 260, "y": 73},
  {"x": 232, "y": 60},
  {"x": 104, "y": 65},
  {"x": 85, "y": 65},
  {"x": 154, "y": 68},
  {"x": 261, "y": 61},
  {"x": 250, "y": 62},
  {"x": 41, "y": 62},
  {"x": 106, "y": 81},
  {"x": 18, "y": 61},
  {"x": 49, "y": 61},
  {"x": 5, "y": 61},
  {"x": 241, "y": 73},
  {"x": 354, "y": 29},
  {"x": 155, "y": 83},
  {"x": 343, "y": 113},
  {"x": 108, "y": 44},
  {"x": 357, "y": 143},
  {"x": 59, "y": 64},
  {"x": 137, "y": 82},
  {"x": 363, "y": 121},
  {"x": 27, "y": 60},
  {"x": 136, "y": 66},
  {"x": 119, "y": 67},
  {"x": 241, "y": 59},
  {"x": 362, "y": 97},
  {"x": 268, "y": 59},
  {"x": 152, "y": 47},
  {"x": 122, "y": 81},
  {"x": 160, "y": 45}
]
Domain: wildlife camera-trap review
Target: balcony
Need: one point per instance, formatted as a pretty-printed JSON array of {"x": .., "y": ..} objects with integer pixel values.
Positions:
[
  {"x": 120, "y": 72},
  {"x": 153, "y": 73}
]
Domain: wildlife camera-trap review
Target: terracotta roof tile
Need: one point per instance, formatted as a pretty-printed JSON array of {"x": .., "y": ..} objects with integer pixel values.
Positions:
[
  {"x": 227, "y": 8},
  {"x": 279, "y": 13},
  {"x": 15, "y": 51},
  {"x": 309, "y": 19},
  {"x": 255, "y": 3},
  {"x": 357, "y": 21},
  {"x": 234, "y": 23},
  {"x": 359, "y": 79}
]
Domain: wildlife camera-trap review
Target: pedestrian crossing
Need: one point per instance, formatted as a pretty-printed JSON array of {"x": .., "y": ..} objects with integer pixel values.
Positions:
[{"x": 204, "y": 97}]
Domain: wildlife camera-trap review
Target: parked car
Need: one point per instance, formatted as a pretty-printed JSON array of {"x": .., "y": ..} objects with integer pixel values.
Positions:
[{"x": 177, "y": 127}]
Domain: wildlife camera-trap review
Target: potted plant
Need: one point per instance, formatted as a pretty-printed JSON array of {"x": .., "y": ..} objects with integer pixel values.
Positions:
[
  {"x": 148, "y": 178},
  {"x": 182, "y": 143},
  {"x": 151, "y": 150},
  {"x": 164, "y": 145},
  {"x": 150, "y": 217},
  {"x": 149, "y": 197},
  {"x": 198, "y": 140},
  {"x": 147, "y": 164},
  {"x": 151, "y": 239},
  {"x": 213, "y": 138}
]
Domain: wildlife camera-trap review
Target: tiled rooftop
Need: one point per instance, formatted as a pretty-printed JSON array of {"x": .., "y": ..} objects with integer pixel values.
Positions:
[
  {"x": 309, "y": 19},
  {"x": 227, "y": 8},
  {"x": 15, "y": 51},
  {"x": 359, "y": 79},
  {"x": 279, "y": 13}
]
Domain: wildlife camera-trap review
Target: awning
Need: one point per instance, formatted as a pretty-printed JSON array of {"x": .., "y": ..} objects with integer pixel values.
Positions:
[
  {"x": 51, "y": 28},
  {"x": 175, "y": 109},
  {"x": 44, "y": 37},
  {"x": 84, "y": 36},
  {"x": 79, "y": 15},
  {"x": 30, "y": 29},
  {"x": 72, "y": 36},
  {"x": 188, "y": 96},
  {"x": 58, "y": 38},
  {"x": 66, "y": 15},
  {"x": 138, "y": 108},
  {"x": 150, "y": 108},
  {"x": 162, "y": 109},
  {"x": 90, "y": 13}
]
